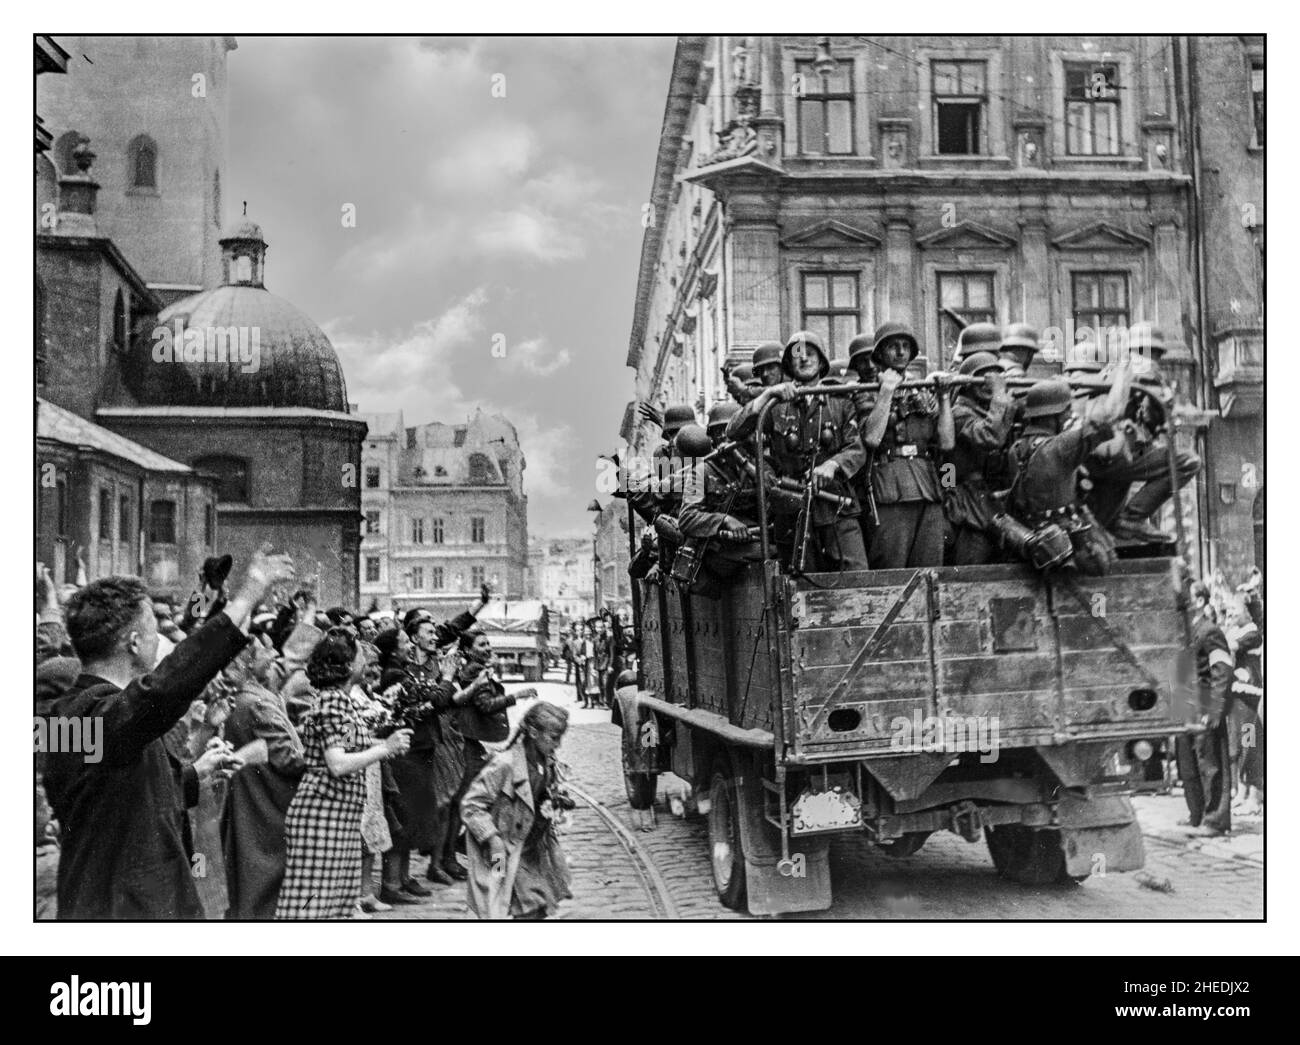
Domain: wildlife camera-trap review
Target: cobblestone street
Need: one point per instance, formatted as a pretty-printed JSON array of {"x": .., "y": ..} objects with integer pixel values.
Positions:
[{"x": 948, "y": 879}]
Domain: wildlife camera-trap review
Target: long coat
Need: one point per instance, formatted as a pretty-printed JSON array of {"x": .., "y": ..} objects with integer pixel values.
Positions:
[
  {"x": 123, "y": 854},
  {"x": 500, "y": 802}
]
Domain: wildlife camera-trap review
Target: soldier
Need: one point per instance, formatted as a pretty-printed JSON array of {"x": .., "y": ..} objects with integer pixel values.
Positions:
[
  {"x": 982, "y": 417},
  {"x": 720, "y": 506},
  {"x": 767, "y": 363},
  {"x": 720, "y": 415},
  {"x": 1020, "y": 345},
  {"x": 977, "y": 337},
  {"x": 813, "y": 439},
  {"x": 1046, "y": 460},
  {"x": 862, "y": 368},
  {"x": 905, "y": 432},
  {"x": 1203, "y": 760},
  {"x": 1114, "y": 469},
  {"x": 741, "y": 385}
]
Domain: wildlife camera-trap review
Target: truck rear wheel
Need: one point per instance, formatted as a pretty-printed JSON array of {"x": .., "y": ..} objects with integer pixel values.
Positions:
[
  {"x": 727, "y": 855},
  {"x": 640, "y": 787},
  {"x": 1028, "y": 856}
]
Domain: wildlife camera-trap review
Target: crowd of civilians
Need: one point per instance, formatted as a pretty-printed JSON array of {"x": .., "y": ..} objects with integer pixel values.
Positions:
[{"x": 334, "y": 741}]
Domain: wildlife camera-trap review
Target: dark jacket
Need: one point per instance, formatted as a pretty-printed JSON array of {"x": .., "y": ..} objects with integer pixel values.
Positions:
[
  {"x": 484, "y": 719},
  {"x": 123, "y": 854},
  {"x": 1214, "y": 666}
]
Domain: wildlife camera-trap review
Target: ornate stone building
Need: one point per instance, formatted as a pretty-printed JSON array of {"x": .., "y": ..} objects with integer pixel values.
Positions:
[
  {"x": 835, "y": 183},
  {"x": 444, "y": 512},
  {"x": 156, "y": 109}
]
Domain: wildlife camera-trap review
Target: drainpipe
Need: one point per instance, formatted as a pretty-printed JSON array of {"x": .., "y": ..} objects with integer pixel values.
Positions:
[{"x": 1189, "y": 98}]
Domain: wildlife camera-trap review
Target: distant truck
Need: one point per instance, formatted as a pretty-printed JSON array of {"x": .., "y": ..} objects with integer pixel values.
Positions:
[
  {"x": 520, "y": 635},
  {"x": 989, "y": 701}
]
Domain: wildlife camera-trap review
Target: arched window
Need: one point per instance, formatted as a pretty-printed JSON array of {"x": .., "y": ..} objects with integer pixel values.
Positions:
[
  {"x": 232, "y": 476},
  {"x": 63, "y": 151},
  {"x": 142, "y": 157}
]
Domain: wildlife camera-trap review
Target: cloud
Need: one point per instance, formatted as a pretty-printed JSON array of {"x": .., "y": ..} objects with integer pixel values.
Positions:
[
  {"x": 528, "y": 233},
  {"x": 533, "y": 356},
  {"x": 484, "y": 159}
]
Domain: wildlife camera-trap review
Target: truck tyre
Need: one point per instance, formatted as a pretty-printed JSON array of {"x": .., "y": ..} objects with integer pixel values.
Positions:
[
  {"x": 727, "y": 856},
  {"x": 640, "y": 787},
  {"x": 1027, "y": 856}
]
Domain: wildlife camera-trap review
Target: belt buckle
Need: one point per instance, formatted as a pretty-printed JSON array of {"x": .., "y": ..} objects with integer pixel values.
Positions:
[{"x": 906, "y": 450}]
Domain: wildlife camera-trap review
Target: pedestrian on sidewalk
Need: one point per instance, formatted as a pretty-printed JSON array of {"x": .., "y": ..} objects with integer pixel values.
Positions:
[
  {"x": 517, "y": 868},
  {"x": 1204, "y": 760}
]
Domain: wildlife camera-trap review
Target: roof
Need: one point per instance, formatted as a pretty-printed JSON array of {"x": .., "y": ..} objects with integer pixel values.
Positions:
[
  {"x": 382, "y": 426},
  {"x": 291, "y": 363},
  {"x": 63, "y": 426},
  {"x": 677, "y": 111}
]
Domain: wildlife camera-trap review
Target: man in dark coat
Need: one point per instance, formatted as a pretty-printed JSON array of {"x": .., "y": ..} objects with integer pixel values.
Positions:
[
  {"x": 123, "y": 853},
  {"x": 1204, "y": 760}
]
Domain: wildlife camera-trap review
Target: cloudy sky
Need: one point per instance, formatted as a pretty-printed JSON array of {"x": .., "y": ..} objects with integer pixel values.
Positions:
[{"x": 476, "y": 216}]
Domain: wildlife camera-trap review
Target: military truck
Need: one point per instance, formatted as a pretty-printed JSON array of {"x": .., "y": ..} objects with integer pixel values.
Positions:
[
  {"x": 520, "y": 635},
  {"x": 990, "y": 701}
]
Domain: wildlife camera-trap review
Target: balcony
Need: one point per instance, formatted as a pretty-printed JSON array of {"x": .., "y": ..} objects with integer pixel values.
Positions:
[{"x": 1239, "y": 378}]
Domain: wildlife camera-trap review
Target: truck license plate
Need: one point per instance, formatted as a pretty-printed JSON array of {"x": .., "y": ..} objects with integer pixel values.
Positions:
[{"x": 833, "y": 810}]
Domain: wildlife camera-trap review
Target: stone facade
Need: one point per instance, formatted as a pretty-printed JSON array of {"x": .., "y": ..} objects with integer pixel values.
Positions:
[
  {"x": 836, "y": 183},
  {"x": 170, "y": 91},
  {"x": 444, "y": 511},
  {"x": 612, "y": 555},
  {"x": 1226, "y": 76},
  {"x": 561, "y": 576}
]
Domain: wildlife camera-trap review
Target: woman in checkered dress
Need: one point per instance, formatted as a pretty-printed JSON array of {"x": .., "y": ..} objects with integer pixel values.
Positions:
[{"x": 322, "y": 877}]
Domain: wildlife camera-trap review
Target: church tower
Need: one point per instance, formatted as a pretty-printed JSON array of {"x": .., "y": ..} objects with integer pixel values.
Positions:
[{"x": 156, "y": 111}]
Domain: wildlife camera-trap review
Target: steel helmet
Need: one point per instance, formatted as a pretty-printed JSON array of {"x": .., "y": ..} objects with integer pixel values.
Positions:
[
  {"x": 722, "y": 413},
  {"x": 811, "y": 340},
  {"x": 744, "y": 373},
  {"x": 887, "y": 330},
  {"x": 1048, "y": 398},
  {"x": 1011, "y": 368},
  {"x": 1020, "y": 335},
  {"x": 1148, "y": 340},
  {"x": 863, "y": 344},
  {"x": 980, "y": 337},
  {"x": 977, "y": 363},
  {"x": 675, "y": 416},
  {"x": 767, "y": 353},
  {"x": 692, "y": 441}
]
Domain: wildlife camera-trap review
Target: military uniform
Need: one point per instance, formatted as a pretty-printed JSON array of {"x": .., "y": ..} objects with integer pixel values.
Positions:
[
  {"x": 1113, "y": 470},
  {"x": 904, "y": 475},
  {"x": 801, "y": 434},
  {"x": 979, "y": 464},
  {"x": 1046, "y": 467},
  {"x": 723, "y": 489}
]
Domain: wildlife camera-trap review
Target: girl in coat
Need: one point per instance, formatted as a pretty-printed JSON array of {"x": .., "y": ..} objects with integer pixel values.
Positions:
[{"x": 516, "y": 866}]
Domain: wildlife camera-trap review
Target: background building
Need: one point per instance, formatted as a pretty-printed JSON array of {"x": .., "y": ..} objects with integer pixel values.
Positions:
[
  {"x": 562, "y": 577},
  {"x": 1226, "y": 98},
  {"x": 444, "y": 512},
  {"x": 834, "y": 183},
  {"x": 610, "y": 558},
  {"x": 157, "y": 110}
]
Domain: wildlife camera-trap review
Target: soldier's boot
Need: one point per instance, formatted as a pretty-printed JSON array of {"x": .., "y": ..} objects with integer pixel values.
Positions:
[{"x": 1130, "y": 527}]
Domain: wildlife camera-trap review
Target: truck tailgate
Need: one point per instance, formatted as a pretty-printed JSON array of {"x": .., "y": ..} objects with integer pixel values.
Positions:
[{"x": 878, "y": 660}]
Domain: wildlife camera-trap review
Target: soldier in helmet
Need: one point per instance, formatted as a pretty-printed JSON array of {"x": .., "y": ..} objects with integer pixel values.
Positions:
[
  {"x": 1144, "y": 459},
  {"x": 1020, "y": 345},
  {"x": 720, "y": 415},
  {"x": 644, "y": 493},
  {"x": 741, "y": 385},
  {"x": 977, "y": 337},
  {"x": 719, "y": 505},
  {"x": 905, "y": 432},
  {"x": 813, "y": 439},
  {"x": 767, "y": 363},
  {"x": 982, "y": 417},
  {"x": 1045, "y": 462}
]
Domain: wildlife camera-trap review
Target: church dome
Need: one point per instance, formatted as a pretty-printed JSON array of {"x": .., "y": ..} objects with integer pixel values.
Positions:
[{"x": 238, "y": 344}]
